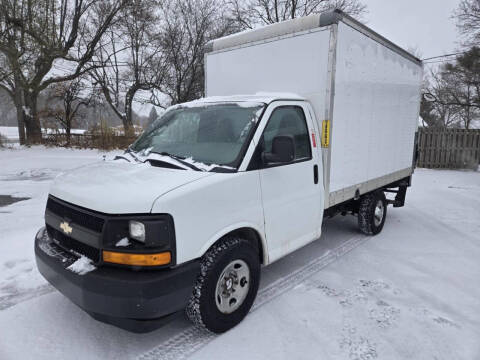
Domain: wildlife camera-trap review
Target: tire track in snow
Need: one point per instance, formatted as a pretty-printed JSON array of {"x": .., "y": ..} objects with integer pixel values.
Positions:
[
  {"x": 8, "y": 301},
  {"x": 192, "y": 339}
]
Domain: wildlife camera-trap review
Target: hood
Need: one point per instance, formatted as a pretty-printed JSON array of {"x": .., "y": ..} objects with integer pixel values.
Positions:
[{"x": 120, "y": 187}]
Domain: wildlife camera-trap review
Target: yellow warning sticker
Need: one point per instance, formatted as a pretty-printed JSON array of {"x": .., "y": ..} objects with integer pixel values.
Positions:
[{"x": 325, "y": 133}]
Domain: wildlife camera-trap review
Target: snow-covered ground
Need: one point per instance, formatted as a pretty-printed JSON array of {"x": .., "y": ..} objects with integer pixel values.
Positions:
[
  {"x": 28, "y": 172},
  {"x": 411, "y": 292}
]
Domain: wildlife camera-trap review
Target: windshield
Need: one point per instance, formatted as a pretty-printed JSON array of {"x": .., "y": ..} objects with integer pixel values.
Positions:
[{"x": 211, "y": 133}]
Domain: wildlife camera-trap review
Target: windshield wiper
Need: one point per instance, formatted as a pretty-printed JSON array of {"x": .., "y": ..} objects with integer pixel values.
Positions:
[
  {"x": 119, "y": 157},
  {"x": 179, "y": 159},
  {"x": 132, "y": 154}
]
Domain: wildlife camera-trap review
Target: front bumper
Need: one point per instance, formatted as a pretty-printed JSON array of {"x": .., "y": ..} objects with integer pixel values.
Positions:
[{"x": 134, "y": 300}]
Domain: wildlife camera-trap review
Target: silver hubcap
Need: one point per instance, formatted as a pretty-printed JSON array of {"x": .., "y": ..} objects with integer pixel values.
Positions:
[
  {"x": 232, "y": 286},
  {"x": 379, "y": 210}
]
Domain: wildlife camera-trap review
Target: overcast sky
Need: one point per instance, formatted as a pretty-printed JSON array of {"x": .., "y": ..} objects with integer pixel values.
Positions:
[{"x": 424, "y": 24}]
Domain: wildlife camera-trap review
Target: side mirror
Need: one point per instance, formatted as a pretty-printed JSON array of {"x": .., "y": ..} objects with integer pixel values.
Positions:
[{"x": 283, "y": 150}]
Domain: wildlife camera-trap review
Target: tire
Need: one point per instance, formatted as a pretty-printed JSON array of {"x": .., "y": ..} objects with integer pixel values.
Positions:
[
  {"x": 208, "y": 309},
  {"x": 372, "y": 212}
]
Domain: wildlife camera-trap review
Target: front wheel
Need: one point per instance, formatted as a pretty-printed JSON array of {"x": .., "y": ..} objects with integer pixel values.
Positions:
[
  {"x": 372, "y": 212},
  {"x": 226, "y": 286}
]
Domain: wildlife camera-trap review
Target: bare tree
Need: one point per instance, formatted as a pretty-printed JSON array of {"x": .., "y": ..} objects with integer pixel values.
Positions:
[
  {"x": 468, "y": 21},
  {"x": 130, "y": 59},
  {"x": 71, "y": 96},
  {"x": 251, "y": 13},
  {"x": 434, "y": 109},
  {"x": 10, "y": 82},
  {"x": 456, "y": 89},
  {"x": 186, "y": 28},
  {"x": 152, "y": 116},
  {"x": 36, "y": 35}
]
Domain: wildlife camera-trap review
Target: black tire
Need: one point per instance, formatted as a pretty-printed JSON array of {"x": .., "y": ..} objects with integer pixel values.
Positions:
[
  {"x": 366, "y": 213},
  {"x": 202, "y": 309}
]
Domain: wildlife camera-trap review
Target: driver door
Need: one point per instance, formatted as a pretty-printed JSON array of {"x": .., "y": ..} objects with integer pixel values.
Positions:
[{"x": 292, "y": 193}]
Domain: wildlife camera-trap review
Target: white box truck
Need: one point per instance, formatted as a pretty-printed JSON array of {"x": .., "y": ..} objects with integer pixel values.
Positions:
[{"x": 303, "y": 119}]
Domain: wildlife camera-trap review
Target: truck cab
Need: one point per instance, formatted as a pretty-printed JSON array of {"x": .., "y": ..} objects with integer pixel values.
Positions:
[{"x": 244, "y": 167}]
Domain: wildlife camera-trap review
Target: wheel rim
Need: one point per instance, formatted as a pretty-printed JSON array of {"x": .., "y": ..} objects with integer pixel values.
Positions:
[
  {"x": 378, "y": 214},
  {"x": 232, "y": 286}
]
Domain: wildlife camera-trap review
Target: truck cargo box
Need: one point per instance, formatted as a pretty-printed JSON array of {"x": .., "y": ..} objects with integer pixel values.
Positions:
[{"x": 365, "y": 92}]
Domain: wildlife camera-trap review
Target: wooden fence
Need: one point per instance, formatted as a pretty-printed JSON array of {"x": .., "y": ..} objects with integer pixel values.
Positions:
[{"x": 448, "y": 148}]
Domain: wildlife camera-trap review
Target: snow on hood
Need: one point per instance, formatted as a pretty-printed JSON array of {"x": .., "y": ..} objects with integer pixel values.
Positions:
[{"x": 119, "y": 187}]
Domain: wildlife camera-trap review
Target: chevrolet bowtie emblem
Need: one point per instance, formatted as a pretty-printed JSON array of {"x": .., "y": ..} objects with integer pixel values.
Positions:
[{"x": 67, "y": 229}]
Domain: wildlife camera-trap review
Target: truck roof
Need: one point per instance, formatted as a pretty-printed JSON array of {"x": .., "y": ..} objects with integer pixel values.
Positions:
[
  {"x": 301, "y": 24},
  {"x": 262, "y": 97}
]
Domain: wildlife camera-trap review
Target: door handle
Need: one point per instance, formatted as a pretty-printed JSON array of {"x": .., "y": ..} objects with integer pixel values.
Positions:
[{"x": 315, "y": 174}]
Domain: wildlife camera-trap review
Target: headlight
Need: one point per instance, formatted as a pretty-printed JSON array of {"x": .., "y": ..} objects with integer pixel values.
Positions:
[
  {"x": 151, "y": 235},
  {"x": 137, "y": 230}
]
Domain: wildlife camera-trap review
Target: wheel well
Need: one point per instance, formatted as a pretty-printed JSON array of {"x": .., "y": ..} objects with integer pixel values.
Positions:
[{"x": 251, "y": 235}]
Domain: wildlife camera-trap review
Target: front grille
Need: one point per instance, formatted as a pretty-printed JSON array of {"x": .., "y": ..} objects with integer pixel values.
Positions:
[
  {"x": 78, "y": 217},
  {"x": 70, "y": 244}
]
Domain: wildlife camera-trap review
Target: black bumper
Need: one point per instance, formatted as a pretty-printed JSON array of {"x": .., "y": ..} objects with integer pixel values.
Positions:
[{"x": 133, "y": 300}]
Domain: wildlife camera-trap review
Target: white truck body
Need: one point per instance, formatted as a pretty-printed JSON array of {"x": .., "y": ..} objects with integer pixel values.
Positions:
[
  {"x": 368, "y": 89},
  {"x": 220, "y": 185}
]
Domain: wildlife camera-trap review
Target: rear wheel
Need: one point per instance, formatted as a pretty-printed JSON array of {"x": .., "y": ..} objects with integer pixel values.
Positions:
[
  {"x": 226, "y": 286},
  {"x": 372, "y": 212}
]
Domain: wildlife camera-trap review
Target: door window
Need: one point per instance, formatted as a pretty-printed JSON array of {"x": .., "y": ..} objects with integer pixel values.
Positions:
[{"x": 289, "y": 120}]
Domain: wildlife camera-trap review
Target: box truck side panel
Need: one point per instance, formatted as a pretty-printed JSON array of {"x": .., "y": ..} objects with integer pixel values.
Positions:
[
  {"x": 375, "y": 115},
  {"x": 294, "y": 63}
]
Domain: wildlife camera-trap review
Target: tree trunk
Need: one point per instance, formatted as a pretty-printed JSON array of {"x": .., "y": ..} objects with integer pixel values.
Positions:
[
  {"x": 17, "y": 95},
  {"x": 18, "y": 102},
  {"x": 21, "y": 125},
  {"x": 31, "y": 119},
  {"x": 128, "y": 124},
  {"x": 68, "y": 130},
  {"x": 127, "y": 119},
  {"x": 68, "y": 121}
]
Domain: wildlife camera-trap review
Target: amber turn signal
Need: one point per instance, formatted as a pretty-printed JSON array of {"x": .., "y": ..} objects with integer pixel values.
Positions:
[{"x": 157, "y": 259}]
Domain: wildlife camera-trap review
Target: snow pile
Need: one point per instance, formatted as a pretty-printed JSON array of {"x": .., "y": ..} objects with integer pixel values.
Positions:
[
  {"x": 82, "y": 266},
  {"x": 26, "y": 110},
  {"x": 11, "y": 132},
  {"x": 63, "y": 131},
  {"x": 123, "y": 242},
  {"x": 39, "y": 174},
  {"x": 279, "y": 95},
  {"x": 145, "y": 155},
  {"x": 206, "y": 167},
  {"x": 244, "y": 101}
]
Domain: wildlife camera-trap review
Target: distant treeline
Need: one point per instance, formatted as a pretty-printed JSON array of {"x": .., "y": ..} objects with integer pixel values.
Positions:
[{"x": 86, "y": 118}]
